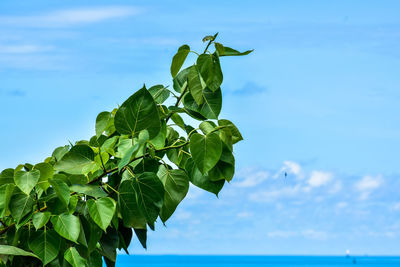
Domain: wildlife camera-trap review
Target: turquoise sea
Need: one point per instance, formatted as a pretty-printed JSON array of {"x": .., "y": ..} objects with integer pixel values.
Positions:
[{"x": 255, "y": 261}]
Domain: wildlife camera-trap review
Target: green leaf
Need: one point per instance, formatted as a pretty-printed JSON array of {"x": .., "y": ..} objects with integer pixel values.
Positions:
[
  {"x": 138, "y": 113},
  {"x": 108, "y": 145},
  {"x": 206, "y": 150},
  {"x": 202, "y": 180},
  {"x": 45, "y": 244},
  {"x": 159, "y": 141},
  {"x": 179, "y": 59},
  {"x": 142, "y": 236},
  {"x": 59, "y": 152},
  {"x": 127, "y": 156},
  {"x": 150, "y": 195},
  {"x": 40, "y": 219},
  {"x": 211, "y": 107},
  {"x": 20, "y": 205},
  {"x": 160, "y": 93},
  {"x": 236, "y": 135},
  {"x": 225, "y": 167},
  {"x": 178, "y": 120},
  {"x": 207, "y": 126},
  {"x": 62, "y": 191},
  {"x": 131, "y": 214},
  {"x": 210, "y": 70},
  {"x": 79, "y": 160},
  {"x": 73, "y": 203},
  {"x": 90, "y": 190},
  {"x": 103, "y": 121},
  {"x": 46, "y": 173},
  {"x": 7, "y": 177},
  {"x": 26, "y": 181},
  {"x": 227, "y": 51},
  {"x": 102, "y": 211},
  {"x": 6, "y": 191},
  {"x": 10, "y": 250},
  {"x": 212, "y": 104},
  {"x": 176, "y": 185},
  {"x": 180, "y": 81},
  {"x": 67, "y": 226},
  {"x": 194, "y": 85},
  {"x": 95, "y": 259},
  {"x": 74, "y": 258},
  {"x": 125, "y": 236},
  {"x": 109, "y": 244},
  {"x": 92, "y": 232},
  {"x": 141, "y": 197}
]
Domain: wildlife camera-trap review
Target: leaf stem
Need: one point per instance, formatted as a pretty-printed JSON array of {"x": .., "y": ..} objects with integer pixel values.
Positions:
[
  {"x": 210, "y": 42},
  {"x": 178, "y": 101},
  {"x": 101, "y": 160}
]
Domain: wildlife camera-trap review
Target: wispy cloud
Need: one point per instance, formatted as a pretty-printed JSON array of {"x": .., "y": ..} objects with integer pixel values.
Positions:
[
  {"x": 341, "y": 205},
  {"x": 70, "y": 17},
  {"x": 367, "y": 184},
  {"x": 319, "y": 178},
  {"x": 244, "y": 214},
  {"x": 290, "y": 167},
  {"x": 396, "y": 206},
  {"x": 23, "y": 49},
  {"x": 250, "y": 177},
  {"x": 312, "y": 234},
  {"x": 271, "y": 195},
  {"x": 281, "y": 234},
  {"x": 309, "y": 234}
]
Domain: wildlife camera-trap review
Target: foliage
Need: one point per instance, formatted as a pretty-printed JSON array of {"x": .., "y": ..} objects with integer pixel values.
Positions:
[{"x": 81, "y": 204}]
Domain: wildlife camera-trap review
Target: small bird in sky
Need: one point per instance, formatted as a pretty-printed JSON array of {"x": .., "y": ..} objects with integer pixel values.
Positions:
[{"x": 285, "y": 174}]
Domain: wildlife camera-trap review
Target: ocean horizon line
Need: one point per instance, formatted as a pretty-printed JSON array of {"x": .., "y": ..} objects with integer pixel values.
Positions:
[{"x": 266, "y": 255}]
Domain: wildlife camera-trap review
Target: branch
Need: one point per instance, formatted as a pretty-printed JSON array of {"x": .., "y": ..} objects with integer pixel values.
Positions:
[
  {"x": 5, "y": 229},
  {"x": 178, "y": 101},
  {"x": 132, "y": 160}
]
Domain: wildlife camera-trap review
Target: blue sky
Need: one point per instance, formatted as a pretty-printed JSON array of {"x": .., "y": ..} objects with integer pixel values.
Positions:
[{"x": 318, "y": 98}]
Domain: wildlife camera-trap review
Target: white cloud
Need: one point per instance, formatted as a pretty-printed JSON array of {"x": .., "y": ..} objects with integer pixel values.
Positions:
[
  {"x": 336, "y": 187},
  {"x": 341, "y": 205},
  {"x": 281, "y": 234},
  {"x": 250, "y": 178},
  {"x": 244, "y": 214},
  {"x": 290, "y": 167},
  {"x": 182, "y": 215},
  {"x": 268, "y": 196},
  {"x": 22, "y": 49},
  {"x": 70, "y": 17},
  {"x": 319, "y": 178},
  {"x": 309, "y": 234},
  {"x": 312, "y": 234},
  {"x": 367, "y": 184},
  {"x": 396, "y": 206}
]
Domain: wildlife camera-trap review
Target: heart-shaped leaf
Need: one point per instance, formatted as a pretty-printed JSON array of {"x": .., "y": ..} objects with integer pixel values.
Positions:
[
  {"x": 26, "y": 181},
  {"x": 206, "y": 150},
  {"x": 138, "y": 113},
  {"x": 67, "y": 226},
  {"x": 102, "y": 211},
  {"x": 45, "y": 244},
  {"x": 176, "y": 185}
]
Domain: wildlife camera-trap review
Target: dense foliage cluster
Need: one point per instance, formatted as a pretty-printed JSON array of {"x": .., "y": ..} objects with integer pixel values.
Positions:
[{"x": 84, "y": 202}]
